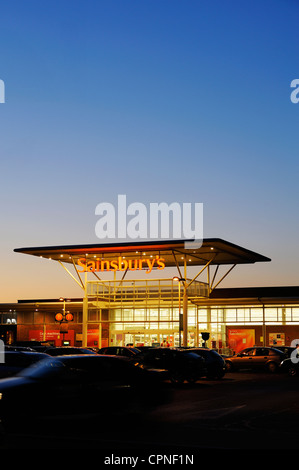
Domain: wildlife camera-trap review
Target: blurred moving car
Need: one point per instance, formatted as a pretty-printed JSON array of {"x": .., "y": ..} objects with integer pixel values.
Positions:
[
  {"x": 15, "y": 361},
  {"x": 258, "y": 357},
  {"x": 214, "y": 364},
  {"x": 181, "y": 364},
  {"x": 18, "y": 348},
  {"x": 77, "y": 386},
  {"x": 124, "y": 351},
  {"x": 67, "y": 350},
  {"x": 38, "y": 346}
]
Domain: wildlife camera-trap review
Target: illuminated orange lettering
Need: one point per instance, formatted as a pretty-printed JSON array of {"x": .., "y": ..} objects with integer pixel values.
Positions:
[
  {"x": 122, "y": 262},
  {"x": 103, "y": 263},
  {"x": 140, "y": 263},
  {"x": 91, "y": 266},
  {"x": 82, "y": 263},
  {"x": 160, "y": 263},
  {"x": 114, "y": 265},
  {"x": 135, "y": 264},
  {"x": 150, "y": 265}
]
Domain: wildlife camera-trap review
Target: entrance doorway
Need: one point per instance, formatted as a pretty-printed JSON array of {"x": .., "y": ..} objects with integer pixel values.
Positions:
[
  {"x": 154, "y": 338},
  {"x": 140, "y": 339}
]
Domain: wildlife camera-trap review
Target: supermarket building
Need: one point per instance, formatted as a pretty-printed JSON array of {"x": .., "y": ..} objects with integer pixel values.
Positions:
[{"x": 129, "y": 298}]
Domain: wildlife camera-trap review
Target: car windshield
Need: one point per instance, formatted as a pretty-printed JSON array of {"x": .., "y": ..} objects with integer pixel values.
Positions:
[{"x": 135, "y": 350}]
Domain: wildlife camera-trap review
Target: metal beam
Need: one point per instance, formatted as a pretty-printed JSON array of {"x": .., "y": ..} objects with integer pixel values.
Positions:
[
  {"x": 207, "y": 264},
  {"x": 177, "y": 264},
  {"x": 74, "y": 264},
  {"x": 79, "y": 283},
  {"x": 215, "y": 274},
  {"x": 223, "y": 277}
]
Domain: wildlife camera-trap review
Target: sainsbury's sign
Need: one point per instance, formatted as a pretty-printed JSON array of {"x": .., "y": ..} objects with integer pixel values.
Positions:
[{"x": 121, "y": 264}]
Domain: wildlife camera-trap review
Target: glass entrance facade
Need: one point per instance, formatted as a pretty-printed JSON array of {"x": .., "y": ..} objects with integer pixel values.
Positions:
[
  {"x": 149, "y": 325},
  {"x": 147, "y": 314},
  {"x": 143, "y": 312}
]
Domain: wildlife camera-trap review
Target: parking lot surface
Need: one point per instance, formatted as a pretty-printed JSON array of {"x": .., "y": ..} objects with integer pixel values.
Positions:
[{"x": 243, "y": 410}]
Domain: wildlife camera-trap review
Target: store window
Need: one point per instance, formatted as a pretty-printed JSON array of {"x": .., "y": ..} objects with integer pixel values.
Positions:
[
  {"x": 271, "y": 314},
  {"x": 243, "y": 315},
  {"x": 127, "y": 315},
  {"x": 256, "y": 314},
  {"x": 295, "y": 314},
  {"x": 231, "y": 315},
  {"x": 139, "y": 315}
]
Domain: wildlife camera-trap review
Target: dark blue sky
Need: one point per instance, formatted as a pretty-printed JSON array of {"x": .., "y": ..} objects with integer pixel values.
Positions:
[{"x": 159, "y": 100}]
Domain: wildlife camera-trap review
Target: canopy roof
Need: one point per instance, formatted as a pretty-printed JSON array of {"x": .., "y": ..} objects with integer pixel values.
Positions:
[{"x": 215, "y": 250}]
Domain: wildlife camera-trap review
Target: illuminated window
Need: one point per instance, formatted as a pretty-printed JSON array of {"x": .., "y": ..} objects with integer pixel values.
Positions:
[
  {"x": 139, "y": 314},
  {"x": 295, "y": 314},
  {"x": 243, "y": 314},
  {"x": 271, "y": 314},
  {"x": 231, "y": 315},
  {"x": 256, "y": 314}
]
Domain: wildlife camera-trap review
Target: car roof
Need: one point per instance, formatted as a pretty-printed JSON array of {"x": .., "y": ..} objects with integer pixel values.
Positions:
[{"x": 27, "y": 353}]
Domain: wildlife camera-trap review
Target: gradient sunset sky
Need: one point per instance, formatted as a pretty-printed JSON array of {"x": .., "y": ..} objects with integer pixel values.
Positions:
[{"x": 161, "y": 100}]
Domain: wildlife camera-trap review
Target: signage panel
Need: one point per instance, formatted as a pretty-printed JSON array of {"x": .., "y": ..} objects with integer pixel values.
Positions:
[{"x": 121, "y": 264}]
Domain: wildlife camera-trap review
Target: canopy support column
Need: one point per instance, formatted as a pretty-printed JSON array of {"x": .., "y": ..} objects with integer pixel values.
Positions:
[
  {"x": 85, "y": 314},
  {"x": 185, "y": 318},
  {"x": 185, "y": 306}
]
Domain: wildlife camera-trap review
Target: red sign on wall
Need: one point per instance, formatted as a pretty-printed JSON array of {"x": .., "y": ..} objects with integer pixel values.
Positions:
[
  {"x": 58, "y": 336},
  {"x": 241, "y": 339},
  {"x": 52, "y": 335}
]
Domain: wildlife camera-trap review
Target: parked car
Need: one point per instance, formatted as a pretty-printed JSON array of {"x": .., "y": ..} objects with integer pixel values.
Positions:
[
  {"x": 78, "y": 386},
  {"x": 291, "y": 363},
  {"x": 143, "y": 348},
  {"x": 67, "y": 350},
  {"x": 287, "y": 350},
  {"x": 214, "y": 364},
  {"x": 181, "y": 364},
  {"x": 257, "y": 357},
  {"x": 15, "y": 361},
  {"x": 124, "y": 351},
  {"x": 290, "y": 367}
]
